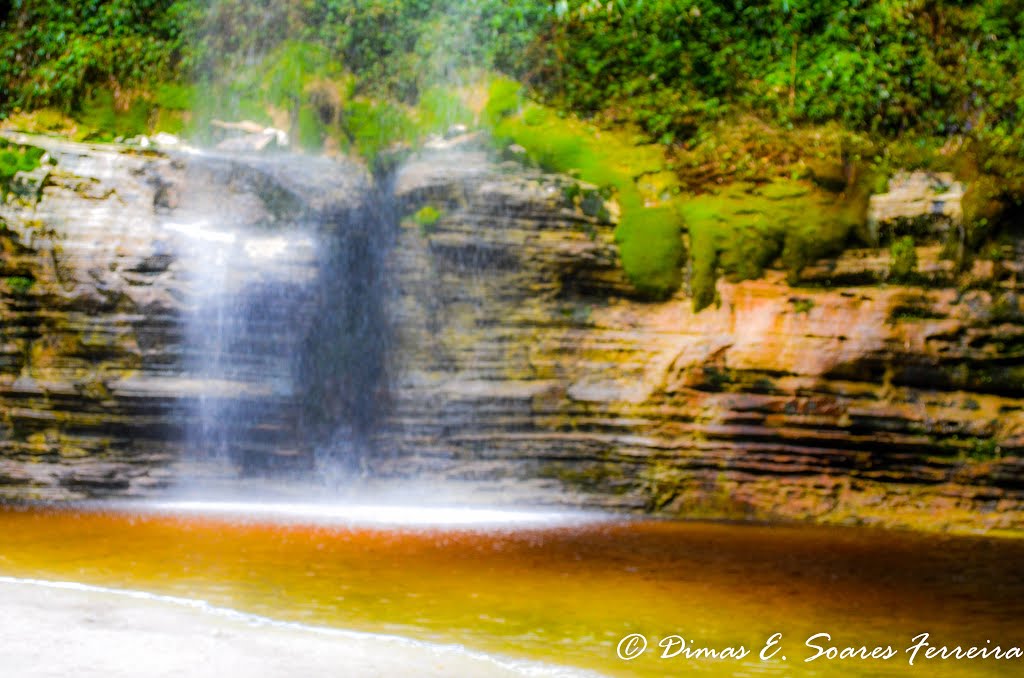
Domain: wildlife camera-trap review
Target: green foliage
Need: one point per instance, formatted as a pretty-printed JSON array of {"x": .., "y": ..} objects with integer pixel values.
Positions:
[
  {"x": 286, "y": 72},
  {"x": 427, "y": 217},
  {"x": 16, "y": 158},
  {"x": 886, "y": 66},
  {"x": 749, "y": 101},
  {"x": 670, "y": 66},
  {"x": 310, "y": 132},
  {"x": 174, "y": 96},
  {"x": 802, "y": 305},
  {"x": 100, "y": 112},
  {"x": 19, "y": 285},
  {"x": 983, "y": 449},
  {"x": 904, "y": 259},
  {"x": 52, "y": 54},
  {"x": 375, "y": 126},
  {"x": 440, "y": 108},
  {"x": 504, "y": 97}
]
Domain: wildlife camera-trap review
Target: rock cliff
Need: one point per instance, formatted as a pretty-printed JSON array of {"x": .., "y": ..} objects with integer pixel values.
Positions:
[
  {"x": 517, "y": 352},
  {"x": 842, "y": 399},
  {"x": 112, "y": 367}
]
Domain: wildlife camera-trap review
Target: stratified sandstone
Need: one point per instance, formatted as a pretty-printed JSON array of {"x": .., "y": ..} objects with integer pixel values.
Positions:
[
  {"x": 100, "y": 379},
  {"x": 852, "y": 403},
  {"x": 518, "y": 354}
]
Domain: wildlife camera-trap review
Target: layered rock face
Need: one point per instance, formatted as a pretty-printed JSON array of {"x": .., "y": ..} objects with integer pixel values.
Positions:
[
  {"x": 498, "y": 342},
  {"x": 119, "y": 373},
  {"x": 523, "y": 355}
]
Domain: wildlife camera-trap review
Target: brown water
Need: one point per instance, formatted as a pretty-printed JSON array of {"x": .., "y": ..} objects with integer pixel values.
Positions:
[{"x": 565, "y": 594}]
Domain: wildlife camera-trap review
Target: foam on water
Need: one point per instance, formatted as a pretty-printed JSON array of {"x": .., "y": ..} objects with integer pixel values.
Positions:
[{"x": 380, "y": 515}]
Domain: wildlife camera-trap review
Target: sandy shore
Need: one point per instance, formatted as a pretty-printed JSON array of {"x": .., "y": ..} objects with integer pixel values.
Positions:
[{"x": 63, "y": 629}]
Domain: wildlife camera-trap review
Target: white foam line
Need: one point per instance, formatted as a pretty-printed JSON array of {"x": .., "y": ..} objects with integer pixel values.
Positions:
[
  {"x": 369, "y": 514},
  {"x": 523, "y": 667}
]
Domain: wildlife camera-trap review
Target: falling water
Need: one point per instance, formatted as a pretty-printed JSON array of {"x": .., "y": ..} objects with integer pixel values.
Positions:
[
  {"x": 285, "y": 337},
  {"x": 250, "y": 304}
]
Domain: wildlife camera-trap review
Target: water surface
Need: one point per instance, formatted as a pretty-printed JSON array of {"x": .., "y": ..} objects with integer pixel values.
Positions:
[{"x": 562, "y": 590}]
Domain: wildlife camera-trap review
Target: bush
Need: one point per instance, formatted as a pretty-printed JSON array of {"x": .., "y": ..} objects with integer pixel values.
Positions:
[
  {"x": 53, "y": 54},
  {"x": 932, "y": 67}
]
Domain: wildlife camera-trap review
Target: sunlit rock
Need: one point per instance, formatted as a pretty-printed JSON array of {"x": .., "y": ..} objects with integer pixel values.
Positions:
[{"x": 917, "y": 202}]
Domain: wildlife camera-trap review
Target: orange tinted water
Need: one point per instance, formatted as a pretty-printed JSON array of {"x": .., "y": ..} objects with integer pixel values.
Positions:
[{"x": 565, "y": 594}]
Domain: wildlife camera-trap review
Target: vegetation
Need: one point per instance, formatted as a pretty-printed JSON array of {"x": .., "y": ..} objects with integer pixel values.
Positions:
[
  {"x": 757, "y": 129},
  {"x": 649, "y": 225},
  {"x": 426, "y": 218},
  {"x": 904, "y": 259},
  {"x": 20, "y": 285},
  {"x": 804, "y": 306},
  {"x": 15, "y": 158}
]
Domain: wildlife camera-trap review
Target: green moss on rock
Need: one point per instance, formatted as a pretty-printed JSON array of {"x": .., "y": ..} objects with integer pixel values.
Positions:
[
  {"x": 109, "y": 118},
  {"x": 427, "y": 217},
  {"x": 649, "y": 231},
  {"x": 16, "y": 158},
  {"x": 904, "y": 259},
  {"x": 19, "y": 285},
  {"x": 743, "y": 228}
]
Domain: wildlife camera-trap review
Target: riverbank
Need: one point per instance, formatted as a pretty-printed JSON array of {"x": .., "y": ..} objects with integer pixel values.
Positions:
[{"x": 62, "y": 628}]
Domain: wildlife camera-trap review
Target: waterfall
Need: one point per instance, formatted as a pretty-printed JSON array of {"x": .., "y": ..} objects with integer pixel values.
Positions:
[{"x": 285, "y": 337}]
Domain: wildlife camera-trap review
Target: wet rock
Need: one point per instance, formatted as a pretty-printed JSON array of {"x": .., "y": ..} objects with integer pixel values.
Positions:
[
  {"x": 248, "y": 136},
  {"x": 844, "y": 402},
  {"x": 518, "y": 360},
  {"x": 95, "y": 286},
  {"x": 918, "y": 202}
]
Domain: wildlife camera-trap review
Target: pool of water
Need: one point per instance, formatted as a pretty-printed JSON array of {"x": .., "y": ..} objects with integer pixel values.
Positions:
[{"x": 555, "y": 587}]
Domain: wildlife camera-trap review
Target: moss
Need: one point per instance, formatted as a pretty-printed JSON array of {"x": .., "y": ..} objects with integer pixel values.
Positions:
[
  {"x": 427, "y": 217},
  {"x": 994, "y": 199},
  {"x": 504, "y": 98},
  {"x": 297, "y": 86},
  {"x": 43, "y": 121},
  {"x": 170, "y": 121},
  {"x": 904, "y": 259},
  {"x": 1006, "y": 309},
  {"x": 172, "y": 108},
  {"x": 16, "y": 158},
  {"x": 174, "y": 96},
  {"x": 18, "y": 284},
  {"x": 237, "y": 102},
  {"x": 977, "y": 449},
  {"x": 802, "y": 305},
  {"x": 651, "y": 247},
  {"x": 914, "y": 311},
  {"x": 311, "y": 133},
  {"x": 649, "y": 232},
  {"x": 744, "y": 228},
  {"x": 110, "y": 118}
]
